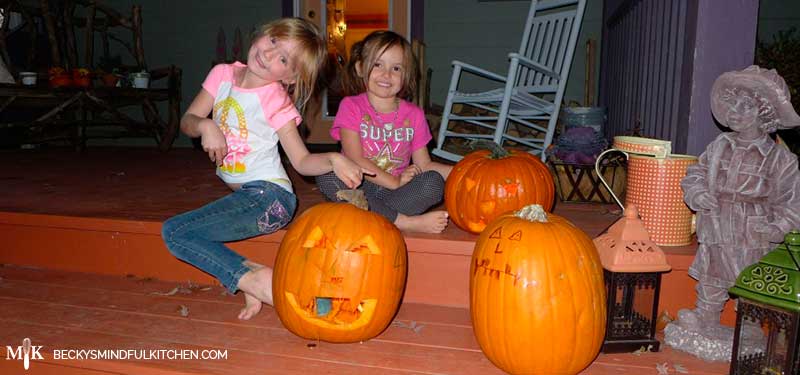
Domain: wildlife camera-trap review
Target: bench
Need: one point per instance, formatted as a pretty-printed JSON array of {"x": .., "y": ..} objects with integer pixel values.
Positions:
[{"x": 42, "y": 113}]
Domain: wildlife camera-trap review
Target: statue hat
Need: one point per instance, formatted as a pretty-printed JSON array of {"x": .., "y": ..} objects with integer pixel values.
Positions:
[{"x": 769, "y": 88}]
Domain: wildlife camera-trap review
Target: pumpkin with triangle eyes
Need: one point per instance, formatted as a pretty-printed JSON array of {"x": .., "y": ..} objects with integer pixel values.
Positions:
[
  {"x": 340, "y": 274},
  {"x": 488, "y": 183},
  {"x": 537, "y": 296}
]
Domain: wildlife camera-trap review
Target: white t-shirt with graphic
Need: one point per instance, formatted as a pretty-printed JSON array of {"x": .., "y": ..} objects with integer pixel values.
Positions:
[{"x": 250, "y": 119}]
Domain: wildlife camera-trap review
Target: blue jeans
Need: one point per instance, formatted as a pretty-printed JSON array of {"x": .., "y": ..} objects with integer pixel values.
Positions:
[{"x": 197, "y": 237}]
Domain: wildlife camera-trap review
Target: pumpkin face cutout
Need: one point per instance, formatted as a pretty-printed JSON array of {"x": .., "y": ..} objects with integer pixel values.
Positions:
[
  {"x": 340, "y": 274},
  {"x": 537, "y": 297},
  {"x": 486, "y": 184}
]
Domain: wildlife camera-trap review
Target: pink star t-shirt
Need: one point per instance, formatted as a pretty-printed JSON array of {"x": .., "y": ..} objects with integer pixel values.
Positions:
[{"x": 388, "y": 139}]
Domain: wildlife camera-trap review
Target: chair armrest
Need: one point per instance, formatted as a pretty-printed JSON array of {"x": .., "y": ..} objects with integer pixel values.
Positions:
[
  {"x": 534, "y": 65},
  {"x": 478, "y": 71}
]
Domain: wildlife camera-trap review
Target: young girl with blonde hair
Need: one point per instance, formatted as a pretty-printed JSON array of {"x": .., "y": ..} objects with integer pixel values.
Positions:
[{"x": 254, "y": 108}]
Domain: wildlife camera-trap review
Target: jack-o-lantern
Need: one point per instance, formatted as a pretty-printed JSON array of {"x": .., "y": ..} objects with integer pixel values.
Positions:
[
  {"x": 340, "y": 274},
  {"x": 537, "y": 297},
  {"x": 488, "y": 183}
]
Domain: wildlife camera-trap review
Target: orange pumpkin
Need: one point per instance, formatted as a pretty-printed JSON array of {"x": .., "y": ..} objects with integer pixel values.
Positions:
[
  {"x": 537, "y": 297},
  {"x": 340, "y": 274},
  {"x": 485, "y": 184}
]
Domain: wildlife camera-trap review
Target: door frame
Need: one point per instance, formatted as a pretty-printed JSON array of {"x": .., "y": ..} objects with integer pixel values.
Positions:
[{"x": 399, "y": 20}]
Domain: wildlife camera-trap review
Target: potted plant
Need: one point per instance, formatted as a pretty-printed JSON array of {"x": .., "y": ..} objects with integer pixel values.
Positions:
[
  {"x": 59, "y": 77},
  {"x": 81, "y": 77},
  {"x": 782, "y": 54},
  {"x": 109, "y": 70}
]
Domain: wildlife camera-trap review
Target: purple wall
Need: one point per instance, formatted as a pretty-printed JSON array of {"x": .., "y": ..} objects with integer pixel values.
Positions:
[
  {"x": 660, "y": 58},
  {"x": 725, "y": 40}
]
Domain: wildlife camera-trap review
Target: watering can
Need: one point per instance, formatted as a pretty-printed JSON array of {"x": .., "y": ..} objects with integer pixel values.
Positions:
[{"x": 654, "y": 187}]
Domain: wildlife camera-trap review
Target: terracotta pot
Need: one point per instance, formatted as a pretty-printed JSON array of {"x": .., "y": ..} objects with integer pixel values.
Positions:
[
  {"x": 81, "y": 77},
  {"x": 110, "y": 80},
  {"x": 60, "y": 80}
]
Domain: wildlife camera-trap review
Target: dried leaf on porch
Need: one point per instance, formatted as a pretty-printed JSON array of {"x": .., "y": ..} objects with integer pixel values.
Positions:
[
  {"x": 411, "y": 326},
  {"x": 663, "y": 319},
  {"x": 648, "y": 349},
  {"x": 679, "y": 368},
  {"x": 170, "y": 293}
]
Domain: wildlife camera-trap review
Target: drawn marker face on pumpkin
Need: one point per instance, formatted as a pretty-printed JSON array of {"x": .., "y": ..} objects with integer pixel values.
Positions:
[{"x": 500, "y": 264}]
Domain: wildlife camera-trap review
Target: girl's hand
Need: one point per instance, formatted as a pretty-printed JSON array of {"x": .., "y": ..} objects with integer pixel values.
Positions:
[
  {"x": 409, "y": 173},
  {"x": 348, "y": 171},
  {"x": 213, "y": 140}
]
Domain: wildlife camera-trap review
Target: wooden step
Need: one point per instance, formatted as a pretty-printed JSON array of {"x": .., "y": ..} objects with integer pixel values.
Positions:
[
  {"x": 438, "y": 265},
  {"x": 68, "y": 310}
]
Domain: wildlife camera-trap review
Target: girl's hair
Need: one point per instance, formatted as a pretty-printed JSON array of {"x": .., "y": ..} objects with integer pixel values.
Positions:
[
  {"x": 309, "y": 57},
  {"x": 366, "y": 52}
]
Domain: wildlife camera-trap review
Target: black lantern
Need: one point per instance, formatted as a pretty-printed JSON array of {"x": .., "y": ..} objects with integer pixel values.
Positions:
[
  {"x": 633, "y": 265},
  {"x": 766, "y": 335}
]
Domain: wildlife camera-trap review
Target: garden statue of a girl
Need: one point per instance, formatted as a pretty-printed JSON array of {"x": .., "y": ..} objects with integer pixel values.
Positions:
[{"x": 745, "y": 190}]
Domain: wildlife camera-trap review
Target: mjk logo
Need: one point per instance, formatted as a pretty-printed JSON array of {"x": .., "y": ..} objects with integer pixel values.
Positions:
[{"x": 26, "y": 352}]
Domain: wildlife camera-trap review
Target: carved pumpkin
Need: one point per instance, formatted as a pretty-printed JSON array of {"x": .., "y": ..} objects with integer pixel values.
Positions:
[
  {"x": 485, "y": 184},
  {"x": 537, "y": 296},
  {"x": 340, "y": 274}
]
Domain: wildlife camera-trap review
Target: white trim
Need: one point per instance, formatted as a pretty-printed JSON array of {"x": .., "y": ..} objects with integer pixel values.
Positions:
[
  {"x": 323, "y": 21},
  {"x": 391, "y": 13},
  {"x": 408, "y": 20}
]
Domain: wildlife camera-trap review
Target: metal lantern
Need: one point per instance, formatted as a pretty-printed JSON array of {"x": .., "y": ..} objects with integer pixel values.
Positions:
[
  {"x": 633, "y": 265},
  {"x": 766, "y": 335}
]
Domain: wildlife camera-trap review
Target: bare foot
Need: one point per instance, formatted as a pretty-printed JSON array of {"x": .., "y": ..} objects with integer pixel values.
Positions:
[
  {"x": 252, "y": 306},
  {"x": 257, "y": 287},
  {"x": 431, "y": 222}
]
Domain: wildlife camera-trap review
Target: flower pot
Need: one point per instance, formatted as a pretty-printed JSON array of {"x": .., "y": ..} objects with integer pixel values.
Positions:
[
  {"x": 61, "y": 80},
  {"x": 140, "y": 80},
  {"x": 81, "y": 77},
  {"x": 109, "y": 79},
  {"x": 28, "y": 78}
]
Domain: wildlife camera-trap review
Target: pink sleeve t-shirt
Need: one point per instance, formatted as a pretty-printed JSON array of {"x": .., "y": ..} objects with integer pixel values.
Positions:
[
  {"x": 388, "y": 139},
  {"x": 250, "y": 119}
]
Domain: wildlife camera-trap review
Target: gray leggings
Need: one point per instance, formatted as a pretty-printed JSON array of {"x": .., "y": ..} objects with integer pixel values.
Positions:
[{"x": 424, "y": 191}]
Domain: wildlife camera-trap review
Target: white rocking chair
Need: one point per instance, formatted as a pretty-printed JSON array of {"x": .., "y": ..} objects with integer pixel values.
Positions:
[{"x": 526, "y": 109}]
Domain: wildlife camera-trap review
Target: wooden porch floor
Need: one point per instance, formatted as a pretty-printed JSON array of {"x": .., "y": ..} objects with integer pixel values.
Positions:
[
  {"x": 68, "y": 310},
  {"x": 62, "y": 309}
]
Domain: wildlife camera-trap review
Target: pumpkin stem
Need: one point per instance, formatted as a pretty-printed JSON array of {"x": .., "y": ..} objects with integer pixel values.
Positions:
[
  {"x": 533, "y": 212},
  {"x": 355, "y": 197},
  {"x": 482, "y": 144}
]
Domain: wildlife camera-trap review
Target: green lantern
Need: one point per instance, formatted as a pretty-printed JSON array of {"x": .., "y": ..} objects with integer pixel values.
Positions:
[{"x": 769, "y": 298}]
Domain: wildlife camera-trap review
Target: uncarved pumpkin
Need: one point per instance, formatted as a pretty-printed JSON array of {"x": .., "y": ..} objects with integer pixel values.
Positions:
[
  {"x": 485, "y": 184},
  {"x": 537, "y": 297},
  {"x": 340, "y": 274}
]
